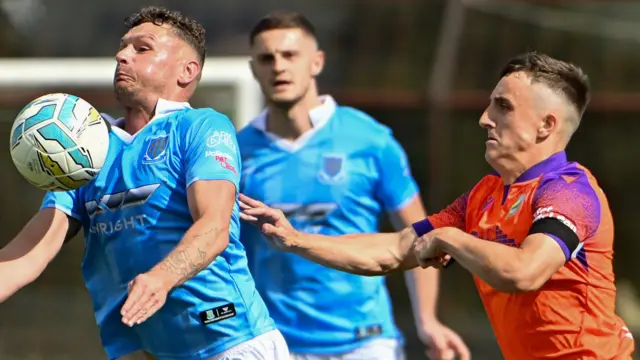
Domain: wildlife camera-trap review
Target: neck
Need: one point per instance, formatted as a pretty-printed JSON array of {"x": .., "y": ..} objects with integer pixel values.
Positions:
[
  {"x": 140, "y": 110},
  {"x": 136, "y": 118},
  {"x": 292, "y": 121},
  {"x": 511, "y": 169}
]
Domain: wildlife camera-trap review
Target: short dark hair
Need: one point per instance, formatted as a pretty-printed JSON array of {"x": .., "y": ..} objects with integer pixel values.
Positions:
[
  {"x": 189, "y": 30},
  {"x": 282, "y": 20},
  {"x": 564, "y": 77}
]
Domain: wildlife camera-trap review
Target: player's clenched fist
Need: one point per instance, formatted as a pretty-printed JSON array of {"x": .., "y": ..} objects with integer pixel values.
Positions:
[
  {"x": 272, "y": 223},
  {"x": 428, "y": 252},
  {"x": 147, "y": 294}
]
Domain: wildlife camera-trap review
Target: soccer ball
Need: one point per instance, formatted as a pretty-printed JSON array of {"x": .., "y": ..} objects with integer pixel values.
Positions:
[{"x": 59, "y": 142}]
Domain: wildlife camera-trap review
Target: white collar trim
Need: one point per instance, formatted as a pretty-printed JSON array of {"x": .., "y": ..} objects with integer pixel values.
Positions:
[
  {"x": 163, "y": 108},
  {"x": 319, "y": 117}
]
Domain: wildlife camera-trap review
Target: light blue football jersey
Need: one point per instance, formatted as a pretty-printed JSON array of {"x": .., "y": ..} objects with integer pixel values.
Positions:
[
  {"x": 135, "y": 212},
  {"x": 338, "y": 178}
]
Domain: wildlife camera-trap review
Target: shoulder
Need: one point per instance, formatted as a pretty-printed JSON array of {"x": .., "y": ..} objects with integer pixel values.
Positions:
[
  {"x": 205, "y": 125},
  {"x": 362, "y": 129},
  {"x": 251, "y": 139},
  {"x": 202, "y": 117},
  {"x": 570, "y": 194},
  {"x": 571, "y": 181},
  {"x": 248, "y": 134},
  {"x": 353, "y": 118}
]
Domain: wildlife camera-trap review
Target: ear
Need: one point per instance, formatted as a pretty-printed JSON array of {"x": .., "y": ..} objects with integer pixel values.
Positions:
[
  {"x": 318, "y": 63},
  {"x": 548, "y": 125},
  {"x": 190, "y": 72}
]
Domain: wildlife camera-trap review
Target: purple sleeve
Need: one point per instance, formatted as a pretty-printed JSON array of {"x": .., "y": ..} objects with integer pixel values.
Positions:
[{"x": 573, "y": 200}]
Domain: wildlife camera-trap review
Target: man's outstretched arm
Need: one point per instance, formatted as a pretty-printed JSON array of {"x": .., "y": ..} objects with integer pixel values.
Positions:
[
  {"x": 362, "y": 254},
  {"x": 27, "y": 255}
]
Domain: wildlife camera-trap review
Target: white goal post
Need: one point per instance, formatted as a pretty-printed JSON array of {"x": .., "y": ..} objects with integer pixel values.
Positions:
[{"x": 42, "y": 73}]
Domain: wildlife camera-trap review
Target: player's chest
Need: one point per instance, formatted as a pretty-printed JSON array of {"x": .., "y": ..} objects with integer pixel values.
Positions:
[
  {"x": 503, "y": 216},
  {"x": 147, "y": 165},
  {"x": 150, "y": 158},
  {"x": 314, "y": 174}
]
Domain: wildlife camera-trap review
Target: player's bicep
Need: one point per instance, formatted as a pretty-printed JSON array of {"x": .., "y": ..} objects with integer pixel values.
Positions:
[
  {"x": 544, "y": 257},
  {"x": 213, "y": 200},
  {"x": 67, "y": 203},
  {"x": 568, "y": 213},
  {"x": 563, "y": 233}
]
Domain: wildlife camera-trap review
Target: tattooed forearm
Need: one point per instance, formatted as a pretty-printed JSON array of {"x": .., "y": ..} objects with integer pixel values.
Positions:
[
  {"x": 187, "y": 262},
  {"x": 192, "y": 255}
]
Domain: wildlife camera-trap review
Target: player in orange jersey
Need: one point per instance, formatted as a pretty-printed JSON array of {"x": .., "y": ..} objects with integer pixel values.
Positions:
[{"x": 537, "y": 234}]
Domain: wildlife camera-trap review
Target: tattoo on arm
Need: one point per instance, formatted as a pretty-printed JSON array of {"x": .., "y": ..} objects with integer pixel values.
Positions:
[{"x": 191, "y": 259}]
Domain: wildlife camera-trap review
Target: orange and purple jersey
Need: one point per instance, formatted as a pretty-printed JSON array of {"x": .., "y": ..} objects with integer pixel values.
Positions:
[{"x": 572, "y": 316}]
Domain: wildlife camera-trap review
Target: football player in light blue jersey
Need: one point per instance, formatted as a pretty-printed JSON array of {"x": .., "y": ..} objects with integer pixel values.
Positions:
[
  {"x": 332, "y": 170},
  {"x": 163, "y": 263}
]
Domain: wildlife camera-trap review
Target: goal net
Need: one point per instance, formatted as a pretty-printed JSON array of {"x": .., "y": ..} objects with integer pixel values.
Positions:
[{"x": 227, "y": 85}]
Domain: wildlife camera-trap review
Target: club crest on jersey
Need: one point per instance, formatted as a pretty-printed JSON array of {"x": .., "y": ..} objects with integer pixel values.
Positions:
[
  {"x": 515, "y": 207},
  {"x": 156, "y": 149},
  {"x": 333, "y": 169}
]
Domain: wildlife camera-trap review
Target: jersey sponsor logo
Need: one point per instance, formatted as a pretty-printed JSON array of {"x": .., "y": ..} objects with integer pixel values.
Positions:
[
  {"x": 219, "y": 138},
  {"x": 156, "y": 149},
  {"x": 219, "y": 155},
  {"x": 111, "y": 203},
  {"x": 333, "y": 169},
  {"x": 223, "y": 159},
  {"x": 307, "y": 217},
  {"x": 116, "y": 201},
  {"x": 125, "y": 223}
]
